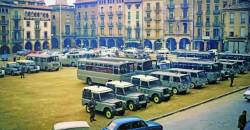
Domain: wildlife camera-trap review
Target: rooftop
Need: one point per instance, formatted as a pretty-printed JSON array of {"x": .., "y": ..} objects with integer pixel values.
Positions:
[
  {"x": 185, "y": 70},
  {"x": 98, "y": 89},
  {"x": 168, "y": 73},
  {"x": 121, "y": 84},
  {"x": 145, "y": 77}
]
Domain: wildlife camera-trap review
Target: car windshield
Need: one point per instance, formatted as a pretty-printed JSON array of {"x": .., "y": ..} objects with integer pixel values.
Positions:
[
  {"x": 154, "y": 83},
  {"x": 128, "y": 90},
  {"x": 14, "y": 65},
  {"x": 202, "y": 75},
  {"x": 185, "y": 79},
  {"x": 107, "y": 95}
]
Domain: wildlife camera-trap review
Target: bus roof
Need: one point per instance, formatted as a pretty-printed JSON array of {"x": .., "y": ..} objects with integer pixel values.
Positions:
[
  {"x": 123, "y": 59},
  {"x": 227, "y": 63},
  {"x": 145, "y": 77},
  {"x": 103, "y": 61},
  {"x": 193, "y": 61},
  {"x": 40, "y": 55},
  {"x": 121, "y": 84},
  {"x": 192, "y": 52},
  {"x": 186, "y": 70},
  {"x": 168, "y": 73},
  {"x": 234, "y": 54},
  {"x": 231, "y": 60},
  {"x": 25, "y": 61},
  {"x": 70, "y": 125},
  {"x": 98, "y": 89}
]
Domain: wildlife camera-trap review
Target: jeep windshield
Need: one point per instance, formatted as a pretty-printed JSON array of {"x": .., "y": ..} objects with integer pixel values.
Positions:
[
  {"x": 202, "y": 75},
  {"x": 107, "y": 95},
  {"x": 154, "y": 83},
  {"x": 129, "y": 90}
]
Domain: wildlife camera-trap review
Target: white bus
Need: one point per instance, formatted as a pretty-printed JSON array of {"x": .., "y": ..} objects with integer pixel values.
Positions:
[
  {"x": 71, "y": 59},
  {"x": 101, "y": 71},
  {"x": 45, "y": 61}
]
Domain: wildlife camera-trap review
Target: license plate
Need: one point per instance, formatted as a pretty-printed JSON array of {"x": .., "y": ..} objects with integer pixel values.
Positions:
[
  {"x": 142, "y": 102},
  {"x": 167, "y": 95},
  {"x": 119, "y": 109}
]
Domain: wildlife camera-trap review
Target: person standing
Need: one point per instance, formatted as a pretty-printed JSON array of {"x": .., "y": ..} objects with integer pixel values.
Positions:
[
  {"x": 231, "y": 79},
  {"x": 22, "y": 72},
  {"x": 91, "y": 106},
  {"x": 242, "y": 120}
]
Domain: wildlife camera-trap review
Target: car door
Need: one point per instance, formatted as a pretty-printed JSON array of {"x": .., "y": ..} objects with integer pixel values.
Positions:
[{"x": 138, "y": 125}]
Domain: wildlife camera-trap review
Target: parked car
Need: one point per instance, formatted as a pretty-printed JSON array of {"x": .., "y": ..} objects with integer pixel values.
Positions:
[
  {"x": 29, "y": 66},
  {"x": 133, "y": 123},
  {"x": 127, "y": 92},
  {"x": 72, "y": 125},
  {"x": 247, "y": 94},
  {"x": 12, "y": 68},
  {"x": 5, "y": 57},
  {"x": 105, "y": 101},
  {"x": 23, "y": 52},
  {"x": 2, "y": 73},
  {"x": 247, "y": 127},
  {"x": 152, "y": 87}
]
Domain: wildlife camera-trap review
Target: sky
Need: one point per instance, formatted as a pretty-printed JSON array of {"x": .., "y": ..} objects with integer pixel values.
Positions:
[{"x": 50, "y": 2}]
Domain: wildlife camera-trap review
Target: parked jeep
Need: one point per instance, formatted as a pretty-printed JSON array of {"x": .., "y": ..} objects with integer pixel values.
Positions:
[
  {"x": 105, "y": 101},
  {"x": 127, "y": 92},
  {"x": 152, "y": 86},
  {"x": 29, "y": 66},
  {"x": 12, "y": 68},
  {"x": 2, "y": 72},
  {"x": 228, "y": 69}
]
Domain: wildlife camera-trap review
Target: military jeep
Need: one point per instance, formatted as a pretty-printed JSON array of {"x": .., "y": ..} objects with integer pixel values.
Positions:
[
  {"x": 105, "y": 101},
  {"x": 152, "y": 86},
  {"x": 127, "y": 92},
  {"x": 29, "y": 66},
  {"x": 12, "y": 68}
]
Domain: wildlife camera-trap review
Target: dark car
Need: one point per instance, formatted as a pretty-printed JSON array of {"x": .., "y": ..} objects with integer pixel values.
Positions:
[
  {"x": 132, "y": 123},
  {"x": 247, "y": 127}
]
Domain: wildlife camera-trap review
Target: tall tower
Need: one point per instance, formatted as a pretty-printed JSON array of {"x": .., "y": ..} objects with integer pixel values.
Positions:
[{"x": 61, "y": 2}]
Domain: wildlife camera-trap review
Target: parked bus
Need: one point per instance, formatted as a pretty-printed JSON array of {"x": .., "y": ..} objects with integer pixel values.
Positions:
[
  {"x": 198, "y": 77},
  {"x": 45, "y": 61},
  {"x": 71, "y": 59},
  {"x": 212, "y": 69},
  {"x": 229, "y": 68},
  {"x": 101, "y": 71},
  {"x": 242, "y": 64},
  {"x": 142, "y": 66},
  {"x": 195, "y": 54},
  {"x": 235, "y": 56}
]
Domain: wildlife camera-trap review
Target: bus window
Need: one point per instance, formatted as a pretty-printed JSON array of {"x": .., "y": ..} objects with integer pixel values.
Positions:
[
  {"x": 147, "y": 65},
  {"x": 144, "y": 84},
  {"x": 116, "y": 71}
]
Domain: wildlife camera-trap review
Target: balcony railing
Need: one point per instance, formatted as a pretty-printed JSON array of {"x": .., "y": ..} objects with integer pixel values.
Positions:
[
  {"x": 101, "y": 13},
  {"x": 170, "y": 19},
  {"x": 18, "y": 28},
  {"x": 148, "y": 19},
  {"x": 216, "y": 12},
  {"x": 148, "y": 9},
  {"x": 184, "y": 6},
  {"x": 17, "y": 17},
  {"x": 102, "y": 25},
  {"x": 37, "y": 29},
  {"x": 157, "y": 9},
  {"x": 119, "y": 13},
  {"x": 207, "y": 24},
  {"x": 110, "y": 13},
  {"x": 216, "y": 24},
  {"x": 158, "y": 18},
  {"x": 110, "y": 24},
  {"x": 171, "y": 6},
  {"x": 199, "y": 24},
  {"x": 199, "y": 12},
  {"x": 119, "y": 24},
  {"x": 4, "y": 32},
  {"x": 4, "y": 22}
]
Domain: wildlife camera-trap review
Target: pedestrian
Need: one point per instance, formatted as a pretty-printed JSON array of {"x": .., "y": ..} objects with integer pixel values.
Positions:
[
  {"x": 231, "y": 79},
  {"x": 22, "y": 72},
  {"x": 91, "y": 106},
  {"x": 14, "y": 58},
  {"x": 242, "y": 120}
]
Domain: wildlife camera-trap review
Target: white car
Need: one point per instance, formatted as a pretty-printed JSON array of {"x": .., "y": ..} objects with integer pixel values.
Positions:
[
  {"x": 247, "y": 94},
  {"x": 72, "y": 125}
]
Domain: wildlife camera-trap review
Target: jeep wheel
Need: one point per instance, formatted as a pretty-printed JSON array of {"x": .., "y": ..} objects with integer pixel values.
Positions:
[
  {"x": 89, "y": 81},
  {"x": 175, "y": 90},
  {"x": 108, "y": 114},
  {"x": 156, "y": 99},
  {"x": 87, "y": 109},
  {"x": 12, "y": 73},
  {"x": 28, "y": 71},
  {"x": 121, "y": 113},
  {"x": 192, "y": 85},
  {"x": 73, "y": 64},
  {"x": 131, "y": 106}
]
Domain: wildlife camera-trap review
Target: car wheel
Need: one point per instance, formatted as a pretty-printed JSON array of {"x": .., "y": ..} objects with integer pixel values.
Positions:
[
  {"x": 108, "y": 114},
  {"x": 121, "y": 113},
  {"x": 192, "y": 85},
  {"x": 131, "y": 106},
  {"x": 89, "y": 81},
  {"x": 156, "y": 99},
  {"x": 175, "y": 90},
  {"x": 87, "y": 109}
]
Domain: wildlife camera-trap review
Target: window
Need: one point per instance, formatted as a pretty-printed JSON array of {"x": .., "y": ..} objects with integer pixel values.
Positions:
[
  {"x": 243, "y": 32},
  {"x": 170, "y": 28},
  {"x": 102, "y": 31},
  {"x": 125, "y": 126},
  {"x": 129, "y": 15},
  {"x": 231, "y": 18},
  {"x": 28, "y": 35},
  {"x": 67, "y": 29},
  {"x": 208, "y": 9},
  {"x": 176, "y": 79},
  {"x": 242, "y": 18},
  {"x": 87, "y": 94},
  {"x": 185, "y": 27},
  {"x": 138, "y": 124},
  {"x": 199, "y": 31},
  {"x": 193, "y": 75},
  {"x": 208, "y": 20},
  {"x": 96, "y": 97},
  {"x": 45, "y": 24},
  {"x": 27, "y": 23},
  {"x": 136, "y": 81},
  {"x": 137, "y": 14},
  {"x": 144, "y": 84},
  {"x": 165, "y": 78},
  {"x": 110, "y": 31},
  {"x": 119, "y": 91},
  {"x": 207, "y": 33},
  {"x": 45, "y": 35}
]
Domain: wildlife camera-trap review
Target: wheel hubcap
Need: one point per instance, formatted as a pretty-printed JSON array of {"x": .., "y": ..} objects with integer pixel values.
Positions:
[
  {"x": 175, "y": 91},
  {"x": 131, "y": 107},
  {"x": 108, "y": 114},
  {"x": 156, "y": 99}
]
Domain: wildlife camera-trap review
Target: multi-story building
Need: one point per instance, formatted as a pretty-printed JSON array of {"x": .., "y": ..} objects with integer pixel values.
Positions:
[
  {"x": 86, "y": 14},
  {"x": 236, "y": 27},
  {"x": 110, "y": 23},
  {"x": 179, "y": 24},
  {"x": 153, "y": 23},
  {"x": 207, "y": 24},
  {"x": 132, "y": 22},
  {"x": 63, "y": 26}
]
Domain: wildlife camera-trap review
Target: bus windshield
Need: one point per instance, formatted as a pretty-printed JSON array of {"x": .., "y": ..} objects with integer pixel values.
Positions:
[
  {"x": 202, "y": 75},
  {"x": 128, "y": 90},
  {"x": 53, "y": 58},
  {"x": 107, "y": 95},
  {"x": 185, "y": 79},
  {"x": 154, "y": 83}
]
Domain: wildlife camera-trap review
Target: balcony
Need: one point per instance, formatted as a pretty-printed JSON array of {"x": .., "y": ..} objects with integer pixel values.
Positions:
[
  {"x": 119, "y": 13},
  {"x": 102, "y": 25},
  {"x": 93, "y": 26},
  {"x": 85, "y": 17},
  {"x": 101, "y": 13},
  {"x": 137, "y": 28},
  {"x": 16, "y": 17},
  {"x": 199, "y": 12},
  {"x": 110, "y": 13},
  {"x": 119, "y": 24},
  {"x": 157, "y": 18},
  {"x": 170, "y": 19},
  {"x": 171, "y": 6},
  {"x": 4, "y": 22},
  {"x": 199, "y": 24},
  {"x": 148, "y": 9},
  {"x": 157, "y": 10},
  {"x": 207, "y": 24},
  {"x": 184, "y": 6},
  {"x": 216, "y": 12},
  {"x": 216, "y": 24},
  {"x": 185, "y": 19},
  {"x": 148, "y": 19},
  {"x": 37, "y": 29},
  {"x": 78, "y": 18},
  {"x": 110, "y": 24},
  {"x": 4, "y": 32},
  {"x": 208, "y": 12},
  {"x": 18, "y": 28}
]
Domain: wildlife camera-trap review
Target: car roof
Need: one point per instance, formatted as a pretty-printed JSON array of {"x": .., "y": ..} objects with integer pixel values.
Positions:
[
  {"x": 145, "y": 77},
  {"x": 25, "y": 61},
  {"x": 193, "y": 61},
  {"x": 71, "y": 124},
  {"x": 169, "y": 73},
  {"x": 185, "y": 70},
  {"x": 126, "y": 119},
  {"x": 41, "y": 55},
  {"x": 98, "y": 89},
  {"x": 11, "y": 62},
  {"x": 231, "y": 60},
  {"x": 227, "y": 63},
  {"x": 120, "y": 84}
]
